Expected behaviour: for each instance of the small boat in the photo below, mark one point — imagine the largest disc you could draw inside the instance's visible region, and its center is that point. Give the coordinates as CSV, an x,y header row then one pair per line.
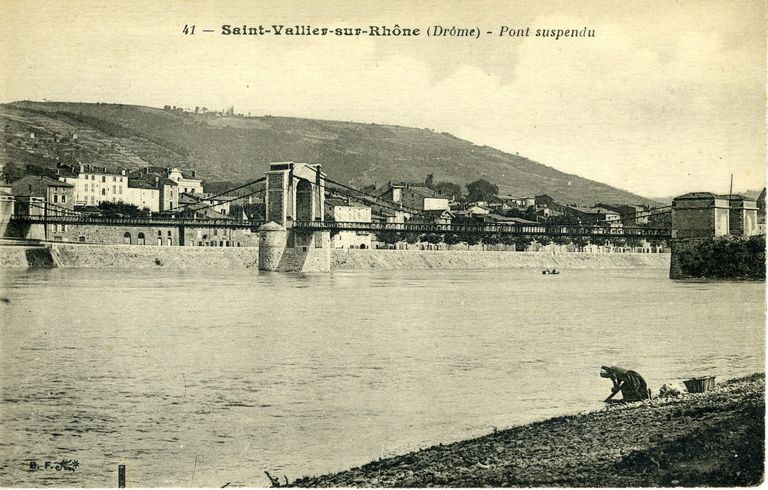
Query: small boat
x,y
553,271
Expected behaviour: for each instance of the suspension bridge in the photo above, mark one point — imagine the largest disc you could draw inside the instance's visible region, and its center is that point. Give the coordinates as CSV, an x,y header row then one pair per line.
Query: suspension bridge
x,y
294,196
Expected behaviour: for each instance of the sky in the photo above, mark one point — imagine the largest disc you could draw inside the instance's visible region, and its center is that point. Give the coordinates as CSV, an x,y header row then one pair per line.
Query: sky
x,y
668,97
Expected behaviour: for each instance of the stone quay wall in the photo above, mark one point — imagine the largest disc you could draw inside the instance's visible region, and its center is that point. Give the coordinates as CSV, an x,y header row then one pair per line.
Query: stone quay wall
x,y
470,259
313,259
128,256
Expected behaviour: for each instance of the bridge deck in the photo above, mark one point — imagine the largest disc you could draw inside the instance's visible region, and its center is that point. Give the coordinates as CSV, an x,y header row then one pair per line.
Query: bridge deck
x,y
484,228
489,228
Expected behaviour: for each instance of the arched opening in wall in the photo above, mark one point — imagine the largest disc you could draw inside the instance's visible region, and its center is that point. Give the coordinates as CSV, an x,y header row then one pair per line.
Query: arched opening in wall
x,y
362,246
140,239
303,201
127,238
170,238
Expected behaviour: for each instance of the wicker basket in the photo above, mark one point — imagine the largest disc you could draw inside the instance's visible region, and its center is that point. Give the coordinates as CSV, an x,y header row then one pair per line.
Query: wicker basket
x,y
700,385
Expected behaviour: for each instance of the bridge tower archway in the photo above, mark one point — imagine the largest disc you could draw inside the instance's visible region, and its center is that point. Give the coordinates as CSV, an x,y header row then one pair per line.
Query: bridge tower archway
x,y
294,192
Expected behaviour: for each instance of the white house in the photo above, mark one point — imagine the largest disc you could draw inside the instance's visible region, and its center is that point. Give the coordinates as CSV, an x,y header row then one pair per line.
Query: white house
x,y
93,185
351,214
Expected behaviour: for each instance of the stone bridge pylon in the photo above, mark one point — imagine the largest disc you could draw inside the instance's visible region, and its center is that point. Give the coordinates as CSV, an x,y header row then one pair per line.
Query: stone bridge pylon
x,y
294,192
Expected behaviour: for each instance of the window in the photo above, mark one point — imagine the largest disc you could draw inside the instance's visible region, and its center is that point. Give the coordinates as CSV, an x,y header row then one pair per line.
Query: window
x,y
159,232
103,192
103,178
81,239
114,189
64,199
169,232
114,179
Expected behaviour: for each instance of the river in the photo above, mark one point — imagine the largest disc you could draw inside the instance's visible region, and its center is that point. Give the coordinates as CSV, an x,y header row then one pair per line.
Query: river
x,y
203,378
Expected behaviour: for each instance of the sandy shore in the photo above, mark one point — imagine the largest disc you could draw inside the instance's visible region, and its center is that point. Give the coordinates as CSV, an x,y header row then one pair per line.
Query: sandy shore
x,y
708,439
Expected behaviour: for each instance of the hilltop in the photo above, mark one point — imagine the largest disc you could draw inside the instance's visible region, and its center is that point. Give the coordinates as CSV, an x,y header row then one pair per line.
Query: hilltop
x,y
235,148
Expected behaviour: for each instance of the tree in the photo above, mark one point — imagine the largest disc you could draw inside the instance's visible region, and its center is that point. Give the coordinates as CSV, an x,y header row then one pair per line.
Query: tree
x,y
451,239
522,242
634,242
388,237
491,239
580,242
544,240
410,237
121,210
481,190
544,199
448,189
432,238
470,238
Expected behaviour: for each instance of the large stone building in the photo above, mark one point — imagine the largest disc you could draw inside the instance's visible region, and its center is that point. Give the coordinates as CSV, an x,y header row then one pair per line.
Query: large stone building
x,y
708,215
416,196
36,195
156,177
700,215
187,181
56,197
95,184
143,195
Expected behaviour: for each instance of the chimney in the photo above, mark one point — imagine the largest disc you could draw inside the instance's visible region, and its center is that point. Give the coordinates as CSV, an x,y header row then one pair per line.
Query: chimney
x,y
194,174
122,171
157,181
82,168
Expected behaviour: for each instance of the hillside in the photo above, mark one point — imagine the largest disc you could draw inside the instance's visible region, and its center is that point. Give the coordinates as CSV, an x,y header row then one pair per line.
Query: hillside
x,y
237,149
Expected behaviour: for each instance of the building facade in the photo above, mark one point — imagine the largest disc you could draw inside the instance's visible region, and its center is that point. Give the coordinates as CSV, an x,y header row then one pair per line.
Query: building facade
x,y
351,214
95,184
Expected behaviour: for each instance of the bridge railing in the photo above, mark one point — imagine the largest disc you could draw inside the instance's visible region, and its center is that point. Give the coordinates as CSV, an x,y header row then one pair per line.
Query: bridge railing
x,y
490,228
146,221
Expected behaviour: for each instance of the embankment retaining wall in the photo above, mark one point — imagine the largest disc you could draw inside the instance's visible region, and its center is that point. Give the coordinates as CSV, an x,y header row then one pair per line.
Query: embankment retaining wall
x,y
128,256
468,259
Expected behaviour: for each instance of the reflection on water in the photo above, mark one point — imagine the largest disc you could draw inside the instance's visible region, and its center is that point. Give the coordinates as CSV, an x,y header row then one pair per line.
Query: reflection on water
x,y
194,378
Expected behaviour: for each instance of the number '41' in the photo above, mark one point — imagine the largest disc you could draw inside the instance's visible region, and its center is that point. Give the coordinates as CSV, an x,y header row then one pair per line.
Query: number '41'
x,y
188,29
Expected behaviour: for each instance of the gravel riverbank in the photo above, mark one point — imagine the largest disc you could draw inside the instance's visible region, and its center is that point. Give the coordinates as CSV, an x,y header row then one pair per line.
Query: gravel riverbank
x,y
708,439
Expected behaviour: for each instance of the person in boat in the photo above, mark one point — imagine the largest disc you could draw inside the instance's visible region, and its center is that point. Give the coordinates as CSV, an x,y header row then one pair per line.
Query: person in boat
x,y
632,386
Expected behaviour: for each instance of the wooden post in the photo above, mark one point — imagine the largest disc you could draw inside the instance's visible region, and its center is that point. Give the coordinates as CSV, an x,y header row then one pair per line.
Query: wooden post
x,y
121,476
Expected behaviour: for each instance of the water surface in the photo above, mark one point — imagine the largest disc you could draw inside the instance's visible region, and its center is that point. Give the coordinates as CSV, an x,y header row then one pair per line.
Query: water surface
x,y
200,378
